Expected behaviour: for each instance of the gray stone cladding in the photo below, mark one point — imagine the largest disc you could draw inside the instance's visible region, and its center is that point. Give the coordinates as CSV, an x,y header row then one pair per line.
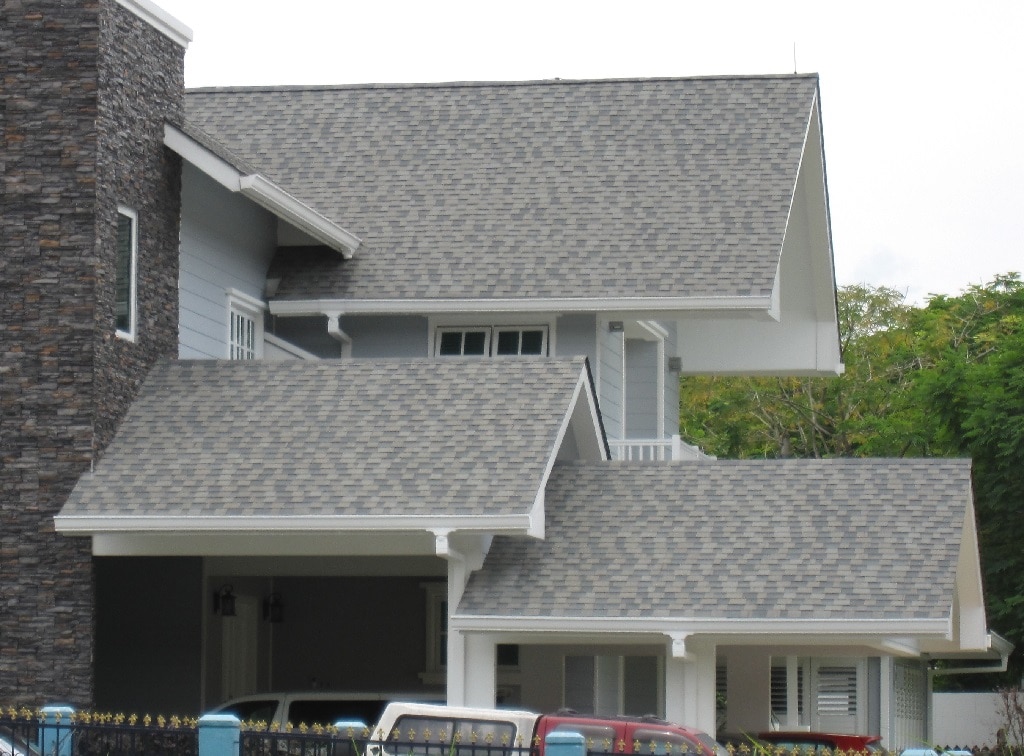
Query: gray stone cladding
x,y
86,89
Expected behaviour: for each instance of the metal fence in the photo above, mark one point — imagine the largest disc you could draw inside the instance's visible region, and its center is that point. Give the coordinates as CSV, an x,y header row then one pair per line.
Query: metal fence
x,y
27,733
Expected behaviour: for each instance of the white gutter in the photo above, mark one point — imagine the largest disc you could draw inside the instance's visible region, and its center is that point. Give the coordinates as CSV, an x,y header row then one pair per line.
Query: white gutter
x,y
269,195
335,332
93,524
754,306
994,642
720,626
263,192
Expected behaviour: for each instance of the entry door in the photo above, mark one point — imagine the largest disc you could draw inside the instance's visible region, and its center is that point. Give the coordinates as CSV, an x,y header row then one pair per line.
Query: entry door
x,y
839,695
240,649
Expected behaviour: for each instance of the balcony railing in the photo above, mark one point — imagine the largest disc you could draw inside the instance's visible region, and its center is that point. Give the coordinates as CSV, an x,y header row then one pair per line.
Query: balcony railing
x,y
671,449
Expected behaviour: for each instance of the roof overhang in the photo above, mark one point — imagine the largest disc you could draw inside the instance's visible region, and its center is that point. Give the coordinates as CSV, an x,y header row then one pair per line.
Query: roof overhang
x,y
901,637
160,20
653,307
262,191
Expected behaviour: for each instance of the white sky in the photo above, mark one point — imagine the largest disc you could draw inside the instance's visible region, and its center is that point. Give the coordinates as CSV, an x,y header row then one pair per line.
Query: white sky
x,y
922,102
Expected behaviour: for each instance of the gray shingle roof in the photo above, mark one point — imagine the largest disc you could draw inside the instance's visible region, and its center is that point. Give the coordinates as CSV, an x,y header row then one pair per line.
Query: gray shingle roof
x,y
795,539
360,438
657,187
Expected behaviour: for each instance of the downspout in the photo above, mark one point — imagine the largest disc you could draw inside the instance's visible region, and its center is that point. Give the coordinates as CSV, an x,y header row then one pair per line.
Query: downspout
x,y
335,332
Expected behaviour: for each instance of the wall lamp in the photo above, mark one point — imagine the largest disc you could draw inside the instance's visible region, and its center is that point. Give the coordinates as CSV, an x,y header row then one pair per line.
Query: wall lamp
x,y
273,608
224,601
616,326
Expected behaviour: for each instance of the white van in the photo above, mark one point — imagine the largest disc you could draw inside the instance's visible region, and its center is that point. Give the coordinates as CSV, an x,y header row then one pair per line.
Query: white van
x,y
323,707
404,726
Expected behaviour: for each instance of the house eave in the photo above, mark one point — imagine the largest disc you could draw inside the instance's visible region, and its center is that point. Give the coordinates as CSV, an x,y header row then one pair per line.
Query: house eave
x,y
261,191
79,525
753,306
864,630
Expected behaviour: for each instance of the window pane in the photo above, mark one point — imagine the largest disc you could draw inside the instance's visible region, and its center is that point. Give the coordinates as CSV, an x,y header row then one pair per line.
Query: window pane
x,y
475,343
451,344
123,275
508,342
533,342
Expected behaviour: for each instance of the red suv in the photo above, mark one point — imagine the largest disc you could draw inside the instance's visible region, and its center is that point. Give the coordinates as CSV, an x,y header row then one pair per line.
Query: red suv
x,y
627,735
808,742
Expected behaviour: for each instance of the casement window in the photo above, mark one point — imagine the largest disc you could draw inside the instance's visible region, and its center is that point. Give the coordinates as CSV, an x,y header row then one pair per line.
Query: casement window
x,y
245,326
125,273
491,341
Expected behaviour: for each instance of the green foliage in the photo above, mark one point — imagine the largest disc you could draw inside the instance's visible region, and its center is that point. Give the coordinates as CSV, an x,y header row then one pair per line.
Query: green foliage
x,y
940,380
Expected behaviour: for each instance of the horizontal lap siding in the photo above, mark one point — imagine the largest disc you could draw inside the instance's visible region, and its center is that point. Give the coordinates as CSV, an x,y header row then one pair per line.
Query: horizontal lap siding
x,y
226,243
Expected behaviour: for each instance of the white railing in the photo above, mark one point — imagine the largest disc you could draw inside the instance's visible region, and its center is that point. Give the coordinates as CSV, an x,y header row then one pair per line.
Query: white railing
x,y
655,450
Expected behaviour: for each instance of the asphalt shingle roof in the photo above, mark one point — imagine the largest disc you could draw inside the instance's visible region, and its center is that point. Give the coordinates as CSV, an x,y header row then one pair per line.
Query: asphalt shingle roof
x,y
365,437
793,539
657,187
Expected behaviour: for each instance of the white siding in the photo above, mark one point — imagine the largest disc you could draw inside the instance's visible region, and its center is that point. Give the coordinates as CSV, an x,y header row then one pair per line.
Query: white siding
x,y
226,243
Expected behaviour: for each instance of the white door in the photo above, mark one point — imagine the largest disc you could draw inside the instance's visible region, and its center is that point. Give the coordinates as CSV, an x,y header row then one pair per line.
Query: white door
x,y
838,696
240,648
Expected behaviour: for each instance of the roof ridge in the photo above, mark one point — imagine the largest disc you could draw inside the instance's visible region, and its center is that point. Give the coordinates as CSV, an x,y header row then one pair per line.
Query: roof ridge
x,y
486,84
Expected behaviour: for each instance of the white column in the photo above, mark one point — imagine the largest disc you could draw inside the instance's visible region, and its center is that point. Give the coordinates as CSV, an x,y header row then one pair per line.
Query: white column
x,y
749,689
480,666
690,686
792,692
607,685
458,575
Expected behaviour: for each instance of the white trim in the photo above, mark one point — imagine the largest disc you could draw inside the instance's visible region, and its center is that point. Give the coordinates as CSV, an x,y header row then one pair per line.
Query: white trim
x,y
847,627
160,20
202,158
263,192
251,309
94,524
269,195
133,292
652,306
288,347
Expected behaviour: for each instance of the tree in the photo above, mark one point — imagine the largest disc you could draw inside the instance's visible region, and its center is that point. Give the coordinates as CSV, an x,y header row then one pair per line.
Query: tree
x,y
944,379
862,413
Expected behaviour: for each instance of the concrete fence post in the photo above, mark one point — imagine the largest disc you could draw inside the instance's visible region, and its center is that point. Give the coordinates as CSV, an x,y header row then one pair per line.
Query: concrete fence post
x,y
565,744
55,731
219,735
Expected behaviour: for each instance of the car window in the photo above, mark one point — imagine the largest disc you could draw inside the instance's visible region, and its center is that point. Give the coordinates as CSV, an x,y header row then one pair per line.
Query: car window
x,y
326,711
257,710
598,737
432,736
663,743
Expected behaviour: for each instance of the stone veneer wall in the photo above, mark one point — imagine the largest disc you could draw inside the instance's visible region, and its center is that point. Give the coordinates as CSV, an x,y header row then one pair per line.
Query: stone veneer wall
x,y
86,88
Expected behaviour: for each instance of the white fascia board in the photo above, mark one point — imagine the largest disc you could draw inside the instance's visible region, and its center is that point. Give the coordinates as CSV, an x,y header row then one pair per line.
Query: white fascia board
x,y
262,191
269,195
92,525
653,306
581,391
206,161
160,20
847,628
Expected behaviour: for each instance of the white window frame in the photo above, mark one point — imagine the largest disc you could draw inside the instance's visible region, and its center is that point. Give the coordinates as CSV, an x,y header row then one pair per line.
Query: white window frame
x,y
251,309
130,333
439,325
436,631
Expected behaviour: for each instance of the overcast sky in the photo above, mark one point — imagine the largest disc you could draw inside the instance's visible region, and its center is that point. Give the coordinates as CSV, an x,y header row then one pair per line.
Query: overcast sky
x,y
922,102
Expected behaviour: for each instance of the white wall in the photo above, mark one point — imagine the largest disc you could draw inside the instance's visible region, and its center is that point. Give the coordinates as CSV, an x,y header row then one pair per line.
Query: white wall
x,y
965,719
